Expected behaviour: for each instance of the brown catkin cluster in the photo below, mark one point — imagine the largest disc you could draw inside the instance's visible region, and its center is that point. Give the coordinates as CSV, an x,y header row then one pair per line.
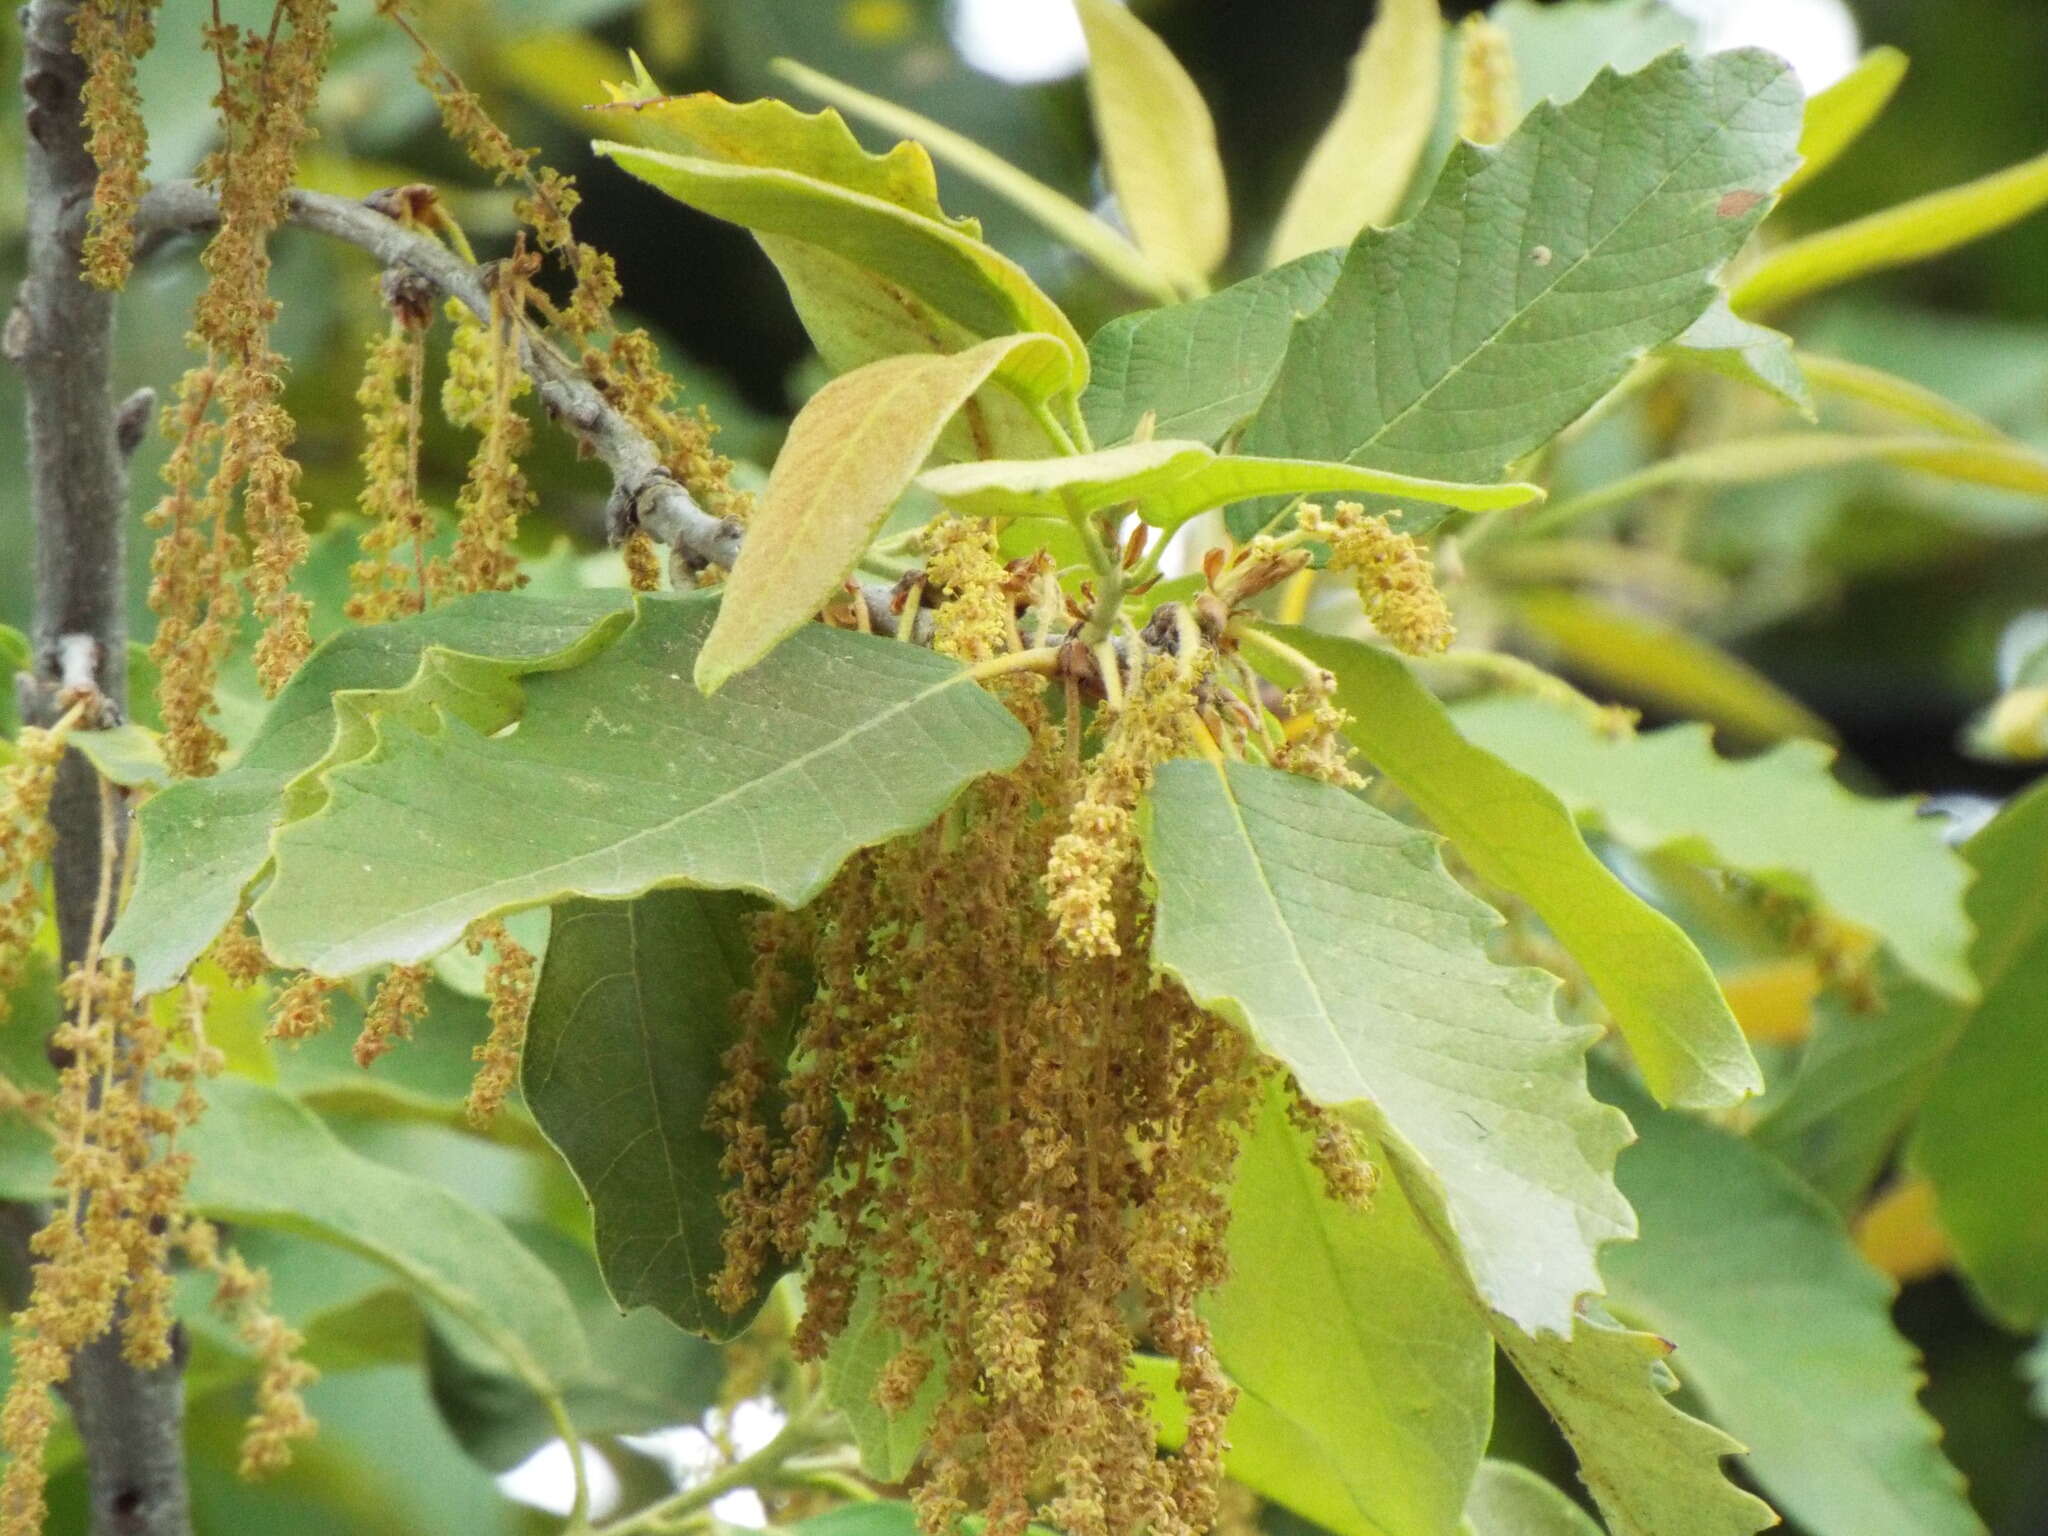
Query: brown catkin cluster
x,y
1395,579
231,431
242,1294
25,842
120,1184
508,987
111,36
399,1003
1034,1138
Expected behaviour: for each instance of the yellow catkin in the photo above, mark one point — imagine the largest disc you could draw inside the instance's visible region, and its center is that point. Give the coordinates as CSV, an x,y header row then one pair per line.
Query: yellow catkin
x,y
508,985
399,1003
1392,571
239,953
643,563
395,577
966,586
25,842
302,1009
242,1294
112,36
1489,97
484,385
1094,854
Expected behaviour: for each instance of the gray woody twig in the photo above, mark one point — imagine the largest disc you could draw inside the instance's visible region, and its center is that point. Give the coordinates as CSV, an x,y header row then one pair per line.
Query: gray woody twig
x,y
60,334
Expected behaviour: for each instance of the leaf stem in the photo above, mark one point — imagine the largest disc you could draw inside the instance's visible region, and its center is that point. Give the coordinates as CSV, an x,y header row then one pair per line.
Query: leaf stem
x,y
1039,658
806,1429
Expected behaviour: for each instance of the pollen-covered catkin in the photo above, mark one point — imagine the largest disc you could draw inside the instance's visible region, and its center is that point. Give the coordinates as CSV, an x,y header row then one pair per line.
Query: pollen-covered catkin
x,y
1395,579
508,988
112,36
25,842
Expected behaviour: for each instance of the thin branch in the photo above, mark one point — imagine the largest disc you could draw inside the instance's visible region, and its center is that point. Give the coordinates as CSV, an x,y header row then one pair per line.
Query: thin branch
x,y
60,334
644,494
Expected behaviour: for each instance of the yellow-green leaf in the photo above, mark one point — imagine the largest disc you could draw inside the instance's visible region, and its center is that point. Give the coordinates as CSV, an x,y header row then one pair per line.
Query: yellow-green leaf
x,y
782,172
1518,835
849,454
1896,237
1837,116
1998,463
1895,396
1651,662
1362,164
1060,214
1510,1500
1158,144
1173,481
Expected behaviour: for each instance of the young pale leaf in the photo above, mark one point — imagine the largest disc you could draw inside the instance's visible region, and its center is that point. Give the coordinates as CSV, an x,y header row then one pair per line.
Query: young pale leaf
x,y
850,453
624,1049
1510,1500
1896,397
2002,464
623,777
1815,1381
1334,933
1896,237
1651,661
1537,273
889,1443
1782,819
1837,116
1158,144
1201,368
262,1159
1740,349
1654,1470
1518,835
976,287
1982,1141
205,840
1363,163
1377,1430
1059,214
1173,481
855,316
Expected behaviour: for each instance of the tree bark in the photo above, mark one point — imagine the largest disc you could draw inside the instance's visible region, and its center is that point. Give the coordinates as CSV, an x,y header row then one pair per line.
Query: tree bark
x,y
61,336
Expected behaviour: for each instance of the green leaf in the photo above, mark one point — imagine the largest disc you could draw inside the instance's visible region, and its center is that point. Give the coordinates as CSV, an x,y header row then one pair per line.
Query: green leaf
x,y
1375,1431
128,754
1896,237
1510,1500
1783,1330
1201,367
1653,1469
851,451
624,1049
1463,339
2003,465
262,1159
1334,933
623,777
1054,210
205,840
1781,818
1982,1141
1753,354
1516,834
889,1443
1361,166
1651,661
1173,481
1837,116
976,287
1158,144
